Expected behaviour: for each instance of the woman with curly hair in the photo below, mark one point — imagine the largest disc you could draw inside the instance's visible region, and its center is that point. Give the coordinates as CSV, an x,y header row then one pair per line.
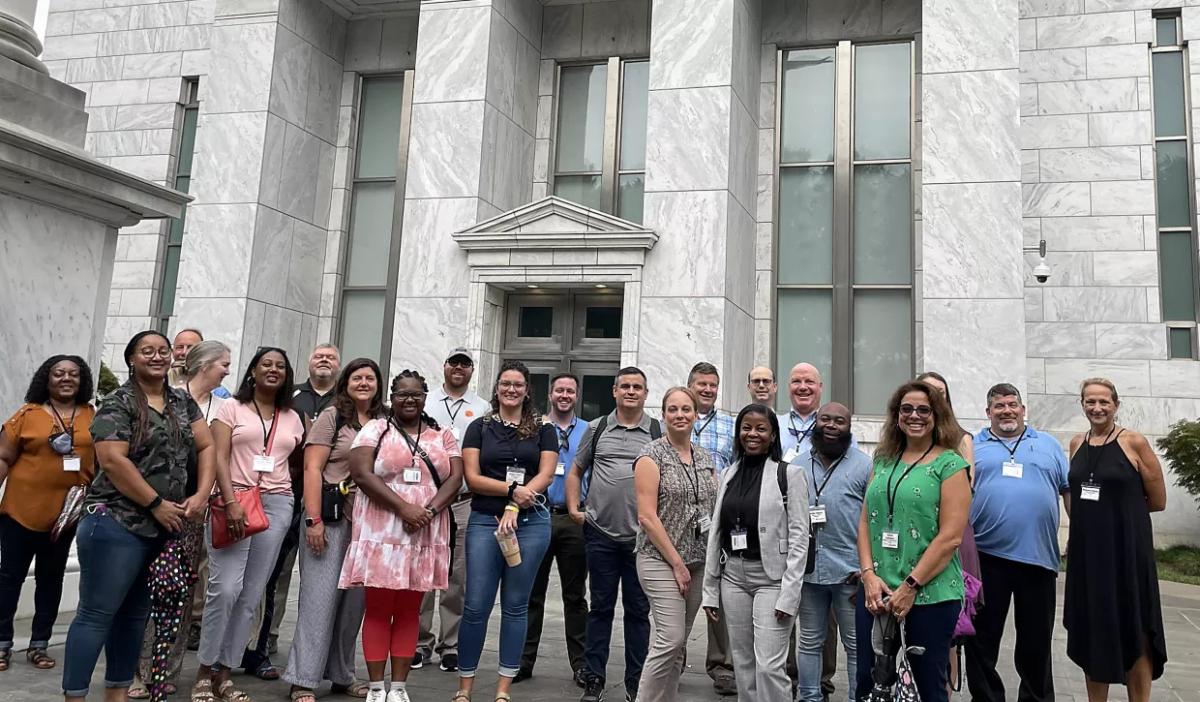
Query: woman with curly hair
x,y
45,450
328,618
409,470
509,456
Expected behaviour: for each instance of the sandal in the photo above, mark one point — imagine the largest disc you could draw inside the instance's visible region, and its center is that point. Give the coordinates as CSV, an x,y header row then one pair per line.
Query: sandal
x,y
302,694
267,671
461,695
138,690
229,693
503,697
5,657
39,658
358,689
202,691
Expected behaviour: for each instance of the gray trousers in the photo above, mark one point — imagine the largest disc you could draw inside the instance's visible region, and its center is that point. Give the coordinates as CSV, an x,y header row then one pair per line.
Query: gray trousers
x,y
672,616
451,607
237,576
757,640
327,619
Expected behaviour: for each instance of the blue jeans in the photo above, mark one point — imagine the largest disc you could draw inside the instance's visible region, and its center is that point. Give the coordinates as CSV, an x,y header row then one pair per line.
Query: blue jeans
x,y
487,571
114,601
611,564
815,603
930,626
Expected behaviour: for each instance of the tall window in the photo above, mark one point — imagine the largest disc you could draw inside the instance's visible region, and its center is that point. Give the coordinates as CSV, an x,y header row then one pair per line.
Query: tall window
x,y
373,243
844,243
1173,183
169,277
600,143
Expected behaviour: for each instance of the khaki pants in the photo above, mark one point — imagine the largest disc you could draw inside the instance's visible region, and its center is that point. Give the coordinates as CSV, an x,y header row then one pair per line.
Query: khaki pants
x,y
671,616
451,608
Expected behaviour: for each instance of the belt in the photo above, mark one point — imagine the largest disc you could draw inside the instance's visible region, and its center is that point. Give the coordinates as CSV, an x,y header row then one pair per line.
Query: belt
x,y
556,509
463,497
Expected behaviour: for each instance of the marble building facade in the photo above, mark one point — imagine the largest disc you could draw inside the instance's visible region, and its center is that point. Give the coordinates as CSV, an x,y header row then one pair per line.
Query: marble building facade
x,y
1029,120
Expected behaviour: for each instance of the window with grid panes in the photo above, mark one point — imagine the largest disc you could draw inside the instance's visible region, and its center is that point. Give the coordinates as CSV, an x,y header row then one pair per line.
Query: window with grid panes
x,y
600,137
844,241
169,276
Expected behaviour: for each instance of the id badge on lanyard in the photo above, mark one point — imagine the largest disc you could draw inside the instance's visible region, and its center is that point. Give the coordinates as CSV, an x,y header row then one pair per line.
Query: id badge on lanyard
x,y
891,539
264,464
560,469
412,474
71,463
737,539
816,515
513,474
1012,469
1090,491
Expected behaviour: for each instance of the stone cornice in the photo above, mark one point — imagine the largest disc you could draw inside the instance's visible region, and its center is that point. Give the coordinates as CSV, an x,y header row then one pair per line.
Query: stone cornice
x,y
553,223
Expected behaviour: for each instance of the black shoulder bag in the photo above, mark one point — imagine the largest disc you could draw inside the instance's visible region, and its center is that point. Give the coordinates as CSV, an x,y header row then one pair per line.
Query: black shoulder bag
x,y
333,495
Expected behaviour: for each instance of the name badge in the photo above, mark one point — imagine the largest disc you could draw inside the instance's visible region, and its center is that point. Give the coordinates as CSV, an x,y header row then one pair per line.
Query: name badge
x,y
790,455
1089,492
560,469
412,475
737,539
1012,469
704,523
514,475
891,539
264,464
457,434
71,463
816,515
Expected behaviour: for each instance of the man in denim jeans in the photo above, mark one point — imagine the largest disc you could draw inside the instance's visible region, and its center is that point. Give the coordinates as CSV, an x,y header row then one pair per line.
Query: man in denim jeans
x,y
838,475
609,529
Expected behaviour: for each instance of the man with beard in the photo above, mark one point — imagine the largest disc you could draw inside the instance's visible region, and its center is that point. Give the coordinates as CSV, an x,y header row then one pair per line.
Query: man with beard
x,y
451,405
762,386
566,540
838,476
1019,474
309,399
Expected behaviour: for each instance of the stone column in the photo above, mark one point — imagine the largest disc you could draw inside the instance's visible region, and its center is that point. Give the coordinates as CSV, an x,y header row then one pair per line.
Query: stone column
x,y
701,144
470,158
972,301
18,41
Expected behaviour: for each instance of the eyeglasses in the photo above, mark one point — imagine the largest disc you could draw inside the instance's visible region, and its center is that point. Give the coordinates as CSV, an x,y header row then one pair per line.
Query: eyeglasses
x,y
402,396
510,385
151,352
919,410
761,381
460,364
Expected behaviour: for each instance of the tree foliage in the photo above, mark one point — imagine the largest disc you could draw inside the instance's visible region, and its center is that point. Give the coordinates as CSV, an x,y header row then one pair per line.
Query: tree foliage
x,y
1181,448
107,382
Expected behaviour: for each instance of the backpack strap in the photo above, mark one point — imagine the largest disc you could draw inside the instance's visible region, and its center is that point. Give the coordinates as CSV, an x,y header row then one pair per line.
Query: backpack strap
x,y
600,426
655,429
781,475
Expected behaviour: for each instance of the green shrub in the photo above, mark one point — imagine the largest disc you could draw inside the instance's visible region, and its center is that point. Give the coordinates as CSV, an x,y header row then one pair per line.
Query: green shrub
x,y
1181,448
107,382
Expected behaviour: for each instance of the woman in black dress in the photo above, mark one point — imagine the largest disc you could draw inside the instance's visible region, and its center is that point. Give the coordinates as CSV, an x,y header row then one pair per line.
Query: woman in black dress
x,y
1112,610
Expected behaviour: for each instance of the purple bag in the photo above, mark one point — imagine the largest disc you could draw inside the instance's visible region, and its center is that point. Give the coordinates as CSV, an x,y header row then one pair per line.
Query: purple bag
x,y
972,587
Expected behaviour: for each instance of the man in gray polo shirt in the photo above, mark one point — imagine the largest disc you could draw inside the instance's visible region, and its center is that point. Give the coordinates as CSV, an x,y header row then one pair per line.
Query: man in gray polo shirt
x,y
609,529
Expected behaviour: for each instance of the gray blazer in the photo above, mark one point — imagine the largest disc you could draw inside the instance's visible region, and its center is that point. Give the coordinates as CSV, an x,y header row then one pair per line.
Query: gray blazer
x,y
782,536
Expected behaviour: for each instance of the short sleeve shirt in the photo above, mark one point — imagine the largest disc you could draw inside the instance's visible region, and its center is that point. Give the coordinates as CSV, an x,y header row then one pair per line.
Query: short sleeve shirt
x,y
395,455
37,484
685,492
161,453
918,499
714,432
499,449
611,502
326,432
249,436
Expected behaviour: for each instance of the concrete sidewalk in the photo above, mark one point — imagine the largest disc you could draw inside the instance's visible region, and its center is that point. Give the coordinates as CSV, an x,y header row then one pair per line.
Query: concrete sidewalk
x,y
552,677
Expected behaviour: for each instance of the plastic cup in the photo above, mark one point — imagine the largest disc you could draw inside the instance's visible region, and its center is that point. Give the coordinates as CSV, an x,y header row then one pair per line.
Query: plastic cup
x,y
510,547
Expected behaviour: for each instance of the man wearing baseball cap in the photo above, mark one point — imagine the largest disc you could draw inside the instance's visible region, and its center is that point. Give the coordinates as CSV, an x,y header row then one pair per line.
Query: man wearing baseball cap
x,y
451,405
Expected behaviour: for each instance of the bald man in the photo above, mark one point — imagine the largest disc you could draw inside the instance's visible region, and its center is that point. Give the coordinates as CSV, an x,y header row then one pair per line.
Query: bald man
x,y
804,393
762,386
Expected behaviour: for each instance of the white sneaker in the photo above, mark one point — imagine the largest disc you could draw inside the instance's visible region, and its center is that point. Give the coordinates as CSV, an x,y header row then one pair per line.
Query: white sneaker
x,y
376,696
397,695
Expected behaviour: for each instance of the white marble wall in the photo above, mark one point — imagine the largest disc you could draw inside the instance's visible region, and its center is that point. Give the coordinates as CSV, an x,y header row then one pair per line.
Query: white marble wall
x,y
130,58
1087,172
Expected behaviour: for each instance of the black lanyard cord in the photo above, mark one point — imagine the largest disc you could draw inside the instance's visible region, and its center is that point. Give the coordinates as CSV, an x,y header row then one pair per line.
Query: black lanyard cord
x,y
828,475
1012,452
414,447
711,416
66,427
892,493
564,435
458,404
1087,457
274,416
800,435
689,472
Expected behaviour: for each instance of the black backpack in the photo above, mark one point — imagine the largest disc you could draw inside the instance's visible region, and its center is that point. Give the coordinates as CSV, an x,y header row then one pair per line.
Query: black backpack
x,y
655,433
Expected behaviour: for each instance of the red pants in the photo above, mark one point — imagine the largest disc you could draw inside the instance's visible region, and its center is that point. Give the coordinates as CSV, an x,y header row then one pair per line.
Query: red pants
x,y
390,624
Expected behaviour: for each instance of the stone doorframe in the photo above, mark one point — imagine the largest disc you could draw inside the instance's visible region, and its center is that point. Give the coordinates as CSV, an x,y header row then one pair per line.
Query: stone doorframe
x,y
549,243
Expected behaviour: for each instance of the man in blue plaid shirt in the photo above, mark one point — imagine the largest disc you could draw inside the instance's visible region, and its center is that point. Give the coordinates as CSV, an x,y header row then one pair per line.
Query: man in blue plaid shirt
x,y
714,431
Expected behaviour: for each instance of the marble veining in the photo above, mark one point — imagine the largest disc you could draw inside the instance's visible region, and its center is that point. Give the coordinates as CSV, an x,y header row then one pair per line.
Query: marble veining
x,y
700,162
270,253
1047,65
1096,304
1091,164
445,150
1060,340
987,215
688,258
973,342
1086,30
970,127
452,54
968,36
1101,95
1054,131
692,43
1056,199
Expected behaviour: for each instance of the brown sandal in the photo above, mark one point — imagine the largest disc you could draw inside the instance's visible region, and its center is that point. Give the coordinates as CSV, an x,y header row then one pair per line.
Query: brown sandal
x,y
39,658
5,657
227,692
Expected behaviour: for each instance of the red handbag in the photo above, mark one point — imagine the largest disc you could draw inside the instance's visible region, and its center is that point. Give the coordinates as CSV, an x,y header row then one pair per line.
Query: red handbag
x,y
256,518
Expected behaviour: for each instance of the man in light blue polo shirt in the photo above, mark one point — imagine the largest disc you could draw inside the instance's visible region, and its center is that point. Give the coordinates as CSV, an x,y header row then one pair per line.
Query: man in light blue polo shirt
x,y
838,476
1019,475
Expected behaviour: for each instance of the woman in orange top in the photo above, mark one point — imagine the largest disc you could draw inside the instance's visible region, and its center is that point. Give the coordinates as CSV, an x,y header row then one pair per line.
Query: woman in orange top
x,y
45,450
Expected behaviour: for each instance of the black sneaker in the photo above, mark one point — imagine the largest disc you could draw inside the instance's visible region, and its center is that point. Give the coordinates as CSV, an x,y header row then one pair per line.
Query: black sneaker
x,y
725,685
522,675
631,695
593,690
449,662
418,661
193,639
581,678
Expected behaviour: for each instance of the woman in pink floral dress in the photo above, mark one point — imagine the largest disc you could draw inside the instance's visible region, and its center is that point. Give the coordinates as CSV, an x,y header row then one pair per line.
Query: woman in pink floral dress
x,y
409,469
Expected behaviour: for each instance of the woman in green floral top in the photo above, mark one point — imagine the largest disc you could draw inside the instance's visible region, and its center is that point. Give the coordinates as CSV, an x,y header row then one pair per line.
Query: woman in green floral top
x,y
676,489
912,523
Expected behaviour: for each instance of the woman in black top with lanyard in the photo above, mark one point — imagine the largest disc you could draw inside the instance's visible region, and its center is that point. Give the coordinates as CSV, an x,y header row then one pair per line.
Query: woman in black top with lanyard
x,y
509,456
1111,608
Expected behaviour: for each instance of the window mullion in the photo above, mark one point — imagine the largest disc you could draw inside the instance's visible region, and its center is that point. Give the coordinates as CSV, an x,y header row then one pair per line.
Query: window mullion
x,y
612,124
841,363
389,302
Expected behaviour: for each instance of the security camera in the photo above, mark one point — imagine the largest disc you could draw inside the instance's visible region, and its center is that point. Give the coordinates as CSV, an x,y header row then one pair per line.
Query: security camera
x,y
1041,272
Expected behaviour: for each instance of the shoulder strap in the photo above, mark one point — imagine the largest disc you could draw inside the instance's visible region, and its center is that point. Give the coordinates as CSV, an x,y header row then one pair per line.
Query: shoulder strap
x,y
587,474
655,429
437,479
338,423
781,474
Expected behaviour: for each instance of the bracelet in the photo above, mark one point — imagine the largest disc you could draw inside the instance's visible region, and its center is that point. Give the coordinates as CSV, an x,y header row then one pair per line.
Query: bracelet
x,y
512,486
158,500
510,507
864,571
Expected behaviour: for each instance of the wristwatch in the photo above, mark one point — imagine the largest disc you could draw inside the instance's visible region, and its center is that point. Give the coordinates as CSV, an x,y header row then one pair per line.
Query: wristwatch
x,y
311,522
912,583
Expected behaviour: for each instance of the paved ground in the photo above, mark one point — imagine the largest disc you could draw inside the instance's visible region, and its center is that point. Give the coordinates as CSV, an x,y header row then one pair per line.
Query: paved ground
x,y
1181,682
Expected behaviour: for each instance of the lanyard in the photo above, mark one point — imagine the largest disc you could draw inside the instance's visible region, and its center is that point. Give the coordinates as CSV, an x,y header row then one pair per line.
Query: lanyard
x,y
1012,452
208,407
65,426
692,478
414,447
1087,457
800,435
564,435
268,437
457,404
828,475
890,493
711,416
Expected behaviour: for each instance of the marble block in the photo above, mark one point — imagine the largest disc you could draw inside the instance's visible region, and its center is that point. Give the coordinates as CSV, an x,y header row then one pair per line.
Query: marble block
x,y
972,36
975,343
689,258
969,128
692,43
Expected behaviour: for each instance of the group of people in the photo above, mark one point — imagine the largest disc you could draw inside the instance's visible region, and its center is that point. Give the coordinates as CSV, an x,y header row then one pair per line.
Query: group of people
x,y
189,507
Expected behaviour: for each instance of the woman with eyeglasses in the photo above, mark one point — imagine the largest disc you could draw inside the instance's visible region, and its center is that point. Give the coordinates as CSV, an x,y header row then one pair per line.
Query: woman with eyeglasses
x,y
258,437
145,435
45,450
908,536
757,549
676,485
408,469
328,618
509,456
